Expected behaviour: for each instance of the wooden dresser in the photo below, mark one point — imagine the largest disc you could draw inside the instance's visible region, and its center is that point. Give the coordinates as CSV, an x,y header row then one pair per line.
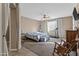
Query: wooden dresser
x,y
71,35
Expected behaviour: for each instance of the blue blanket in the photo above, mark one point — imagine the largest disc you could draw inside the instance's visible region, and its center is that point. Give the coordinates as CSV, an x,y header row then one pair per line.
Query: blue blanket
x,y
38,36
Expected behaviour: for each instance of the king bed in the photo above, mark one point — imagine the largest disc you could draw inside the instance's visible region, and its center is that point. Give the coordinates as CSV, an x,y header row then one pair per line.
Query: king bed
x,y
38,36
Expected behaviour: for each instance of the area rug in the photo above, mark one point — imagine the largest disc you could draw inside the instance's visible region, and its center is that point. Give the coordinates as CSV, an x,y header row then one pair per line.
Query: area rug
x,y
41,48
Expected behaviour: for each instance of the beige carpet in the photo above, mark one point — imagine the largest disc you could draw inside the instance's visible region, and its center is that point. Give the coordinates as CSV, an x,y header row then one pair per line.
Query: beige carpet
x,y
40,48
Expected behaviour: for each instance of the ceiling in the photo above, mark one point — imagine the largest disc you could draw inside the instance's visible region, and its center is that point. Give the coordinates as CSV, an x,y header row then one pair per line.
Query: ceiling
x,y
53,10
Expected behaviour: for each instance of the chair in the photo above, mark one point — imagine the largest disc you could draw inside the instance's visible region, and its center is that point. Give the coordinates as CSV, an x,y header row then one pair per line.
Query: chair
x,y
64,48
74,46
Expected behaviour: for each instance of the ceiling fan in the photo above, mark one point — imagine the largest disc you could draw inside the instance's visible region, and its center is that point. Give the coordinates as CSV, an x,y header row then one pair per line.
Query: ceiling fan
x,y
45,17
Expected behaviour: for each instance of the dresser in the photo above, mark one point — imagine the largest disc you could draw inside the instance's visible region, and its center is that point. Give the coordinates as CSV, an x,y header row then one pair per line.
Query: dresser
x,y
71,36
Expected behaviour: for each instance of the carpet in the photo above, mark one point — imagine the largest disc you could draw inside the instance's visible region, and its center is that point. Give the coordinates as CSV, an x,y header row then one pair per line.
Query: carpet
x,y
40,48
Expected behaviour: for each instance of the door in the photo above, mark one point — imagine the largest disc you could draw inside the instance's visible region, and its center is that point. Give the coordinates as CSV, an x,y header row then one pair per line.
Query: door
x,y
4,28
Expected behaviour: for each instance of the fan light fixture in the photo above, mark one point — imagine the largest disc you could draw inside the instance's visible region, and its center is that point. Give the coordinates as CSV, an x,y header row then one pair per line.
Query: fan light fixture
x,y
45,17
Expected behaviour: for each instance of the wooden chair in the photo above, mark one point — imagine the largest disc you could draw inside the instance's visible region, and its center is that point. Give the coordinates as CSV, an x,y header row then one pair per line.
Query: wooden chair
x,y
73,46
64,48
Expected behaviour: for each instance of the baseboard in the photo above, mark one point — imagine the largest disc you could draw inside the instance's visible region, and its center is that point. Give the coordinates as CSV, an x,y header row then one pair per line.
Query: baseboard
x,y
3,54
13,49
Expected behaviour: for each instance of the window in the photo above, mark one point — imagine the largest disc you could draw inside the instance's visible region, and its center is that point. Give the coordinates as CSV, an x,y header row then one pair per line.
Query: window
x,y
52,25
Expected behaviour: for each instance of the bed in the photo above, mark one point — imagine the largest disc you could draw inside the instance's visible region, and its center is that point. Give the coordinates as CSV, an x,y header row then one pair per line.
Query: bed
x,y
37,36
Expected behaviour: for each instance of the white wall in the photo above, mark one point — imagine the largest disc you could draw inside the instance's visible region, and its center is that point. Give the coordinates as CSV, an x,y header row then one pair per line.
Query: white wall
x,y
29,25
76,22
